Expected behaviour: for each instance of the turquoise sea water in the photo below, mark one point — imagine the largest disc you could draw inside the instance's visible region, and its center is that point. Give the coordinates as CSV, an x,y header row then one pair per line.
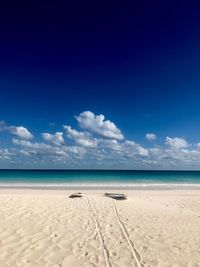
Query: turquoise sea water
x,y
99,178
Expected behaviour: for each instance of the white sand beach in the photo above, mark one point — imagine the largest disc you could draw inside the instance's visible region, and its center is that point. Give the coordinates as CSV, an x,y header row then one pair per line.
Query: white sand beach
x,y
151,228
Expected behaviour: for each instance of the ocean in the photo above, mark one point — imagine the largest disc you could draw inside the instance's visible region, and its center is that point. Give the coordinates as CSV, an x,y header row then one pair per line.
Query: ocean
x,y
119,179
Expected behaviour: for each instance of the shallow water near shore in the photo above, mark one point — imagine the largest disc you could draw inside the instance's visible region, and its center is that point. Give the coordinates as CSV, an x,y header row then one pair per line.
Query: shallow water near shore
x,y
64,179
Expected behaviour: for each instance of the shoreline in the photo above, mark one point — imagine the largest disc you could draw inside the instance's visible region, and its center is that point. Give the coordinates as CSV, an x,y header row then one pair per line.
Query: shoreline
x,y
102,186
100,191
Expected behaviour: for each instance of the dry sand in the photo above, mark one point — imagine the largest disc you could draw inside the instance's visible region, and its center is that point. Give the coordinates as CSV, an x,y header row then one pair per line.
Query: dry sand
x,y
150,228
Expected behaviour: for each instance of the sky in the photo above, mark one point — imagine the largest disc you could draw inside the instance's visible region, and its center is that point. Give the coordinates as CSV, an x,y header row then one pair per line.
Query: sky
x,y
101,86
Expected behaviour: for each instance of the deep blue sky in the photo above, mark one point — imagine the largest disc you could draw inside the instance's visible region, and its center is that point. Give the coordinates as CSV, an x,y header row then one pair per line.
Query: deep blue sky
x,y
138,64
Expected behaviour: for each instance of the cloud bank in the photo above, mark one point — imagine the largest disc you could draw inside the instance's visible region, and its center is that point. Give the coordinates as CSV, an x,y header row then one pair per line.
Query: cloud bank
x,y
96,143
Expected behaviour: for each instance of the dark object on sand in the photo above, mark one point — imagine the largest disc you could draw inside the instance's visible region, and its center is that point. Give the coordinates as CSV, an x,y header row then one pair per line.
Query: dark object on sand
x,y
76,195
116,196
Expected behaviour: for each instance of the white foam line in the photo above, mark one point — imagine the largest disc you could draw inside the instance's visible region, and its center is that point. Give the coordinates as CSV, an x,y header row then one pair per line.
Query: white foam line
x,y
106,185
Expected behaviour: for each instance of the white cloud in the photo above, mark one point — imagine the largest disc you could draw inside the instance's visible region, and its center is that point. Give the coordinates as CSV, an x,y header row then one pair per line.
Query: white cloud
x,y
142,151
81,138
150,136
29,144
56,139
176,142
19,131
125,148
112,144
5,154
198,146
98,125
46,149
136,148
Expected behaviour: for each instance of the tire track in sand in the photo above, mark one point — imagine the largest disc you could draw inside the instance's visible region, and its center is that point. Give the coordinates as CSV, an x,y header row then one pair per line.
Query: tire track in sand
x,y
134,252
100,235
